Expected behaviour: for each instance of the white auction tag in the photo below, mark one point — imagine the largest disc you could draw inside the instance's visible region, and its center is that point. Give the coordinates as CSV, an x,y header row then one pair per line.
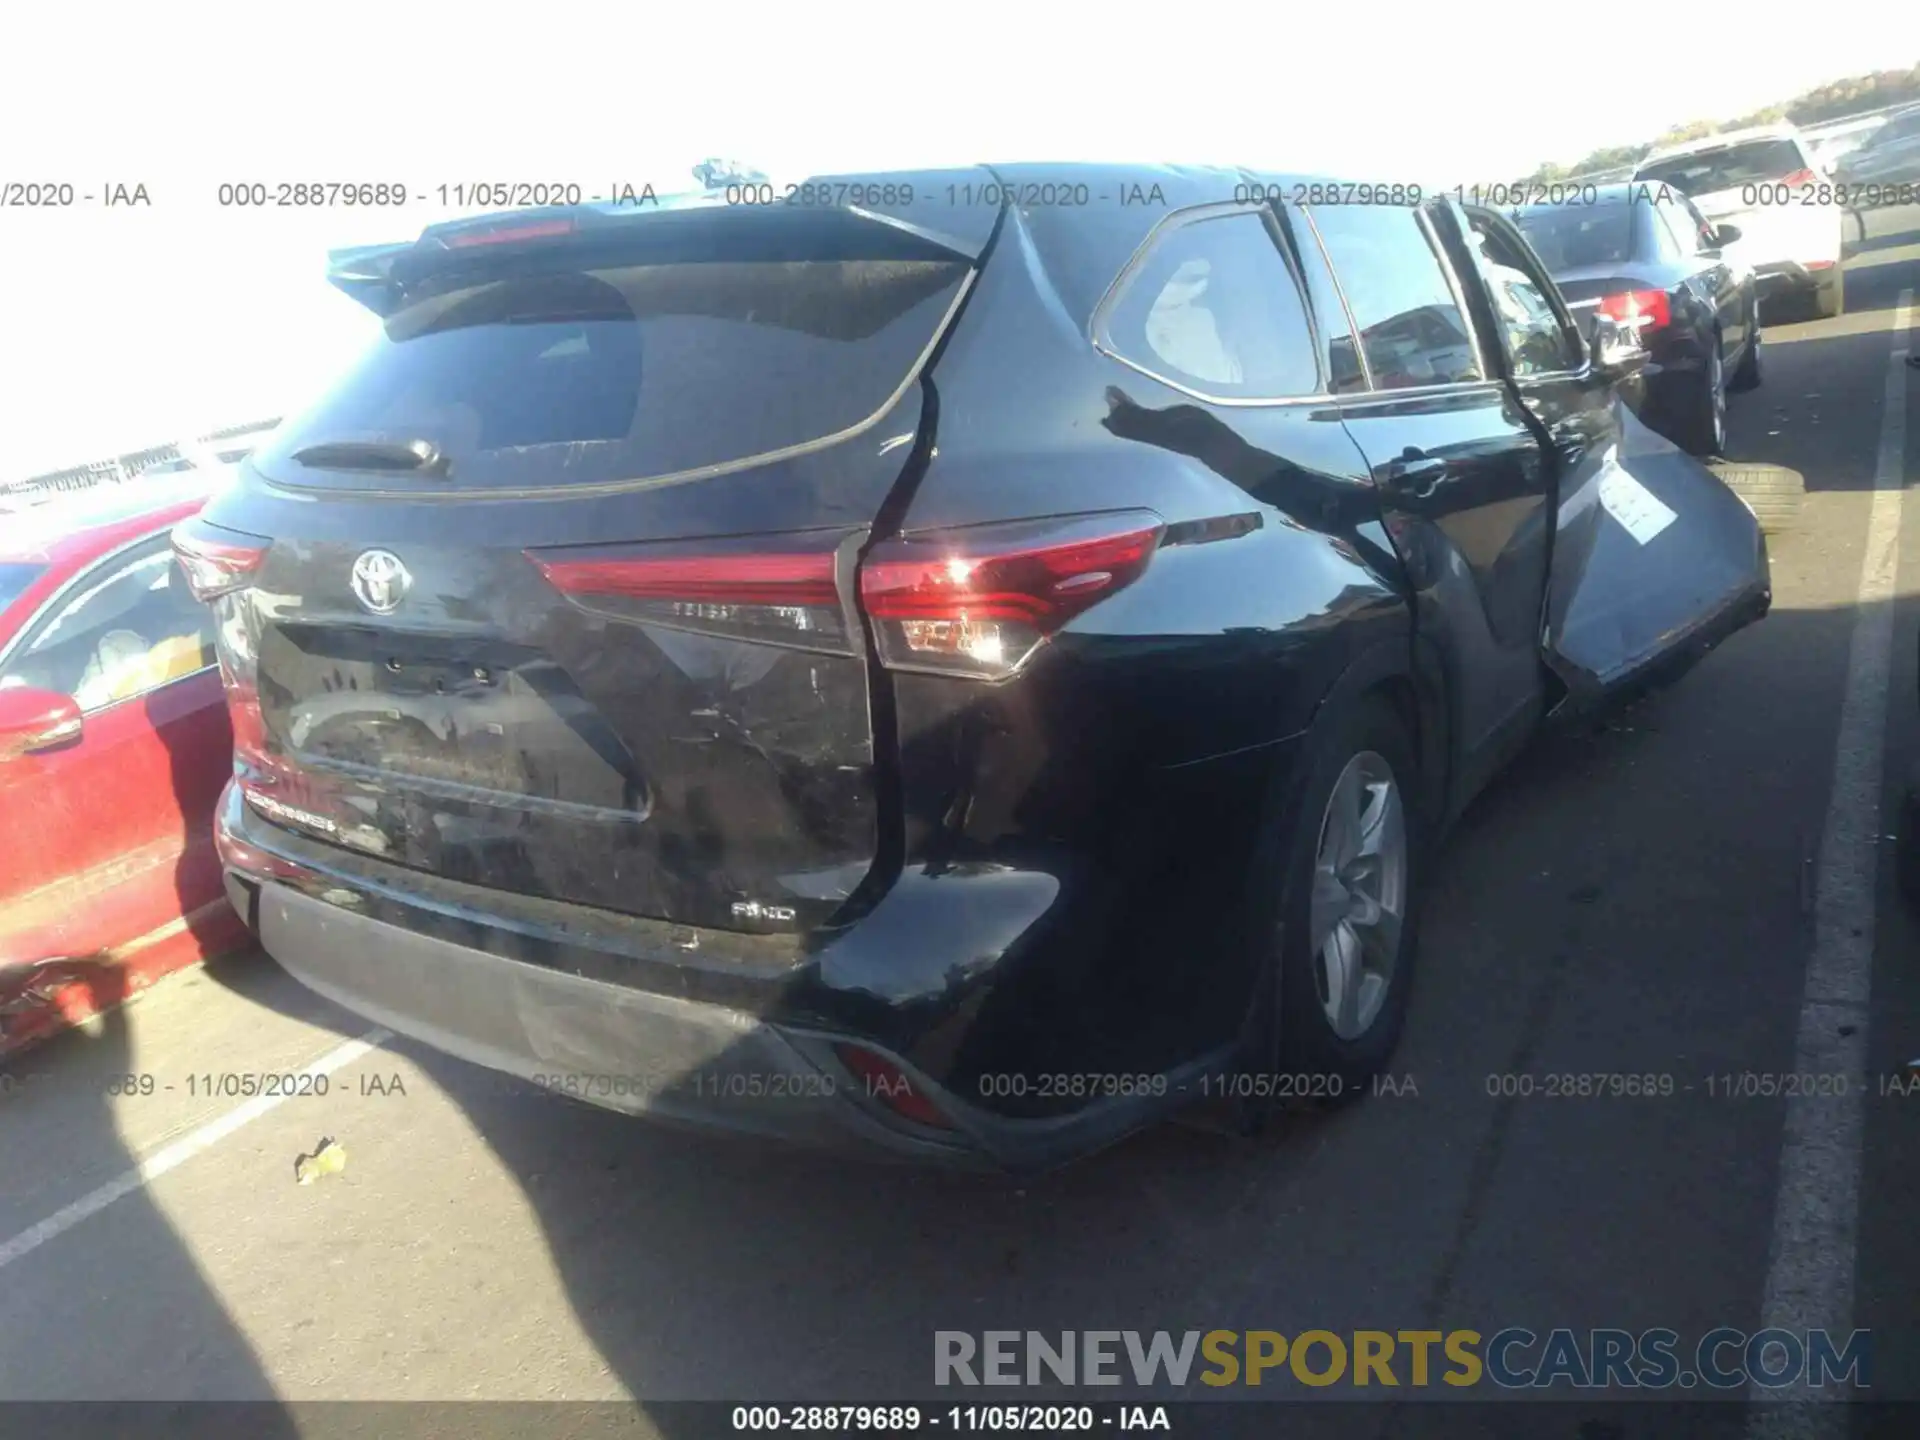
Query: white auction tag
x,y
1633,505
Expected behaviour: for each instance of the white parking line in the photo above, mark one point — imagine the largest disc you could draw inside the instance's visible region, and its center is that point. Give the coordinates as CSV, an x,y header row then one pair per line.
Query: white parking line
x,y
178,1153
1816,1207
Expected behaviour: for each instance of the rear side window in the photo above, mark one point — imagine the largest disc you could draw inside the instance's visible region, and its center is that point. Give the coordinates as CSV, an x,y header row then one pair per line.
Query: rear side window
x,y
1341,353
1672,232
1704,172
129,627
1411,328
560,376
1213,307
1573,237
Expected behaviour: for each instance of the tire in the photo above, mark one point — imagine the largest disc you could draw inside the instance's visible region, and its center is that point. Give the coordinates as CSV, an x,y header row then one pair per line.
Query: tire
x,y
1700,424
1371,743
1774,493
1830,296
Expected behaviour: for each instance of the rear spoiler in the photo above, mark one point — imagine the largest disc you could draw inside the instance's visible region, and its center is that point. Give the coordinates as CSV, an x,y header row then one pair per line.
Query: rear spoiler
x,y
699,225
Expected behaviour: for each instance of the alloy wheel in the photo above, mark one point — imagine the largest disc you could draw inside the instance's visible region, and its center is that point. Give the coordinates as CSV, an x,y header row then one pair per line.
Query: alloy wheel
x,y
1359,894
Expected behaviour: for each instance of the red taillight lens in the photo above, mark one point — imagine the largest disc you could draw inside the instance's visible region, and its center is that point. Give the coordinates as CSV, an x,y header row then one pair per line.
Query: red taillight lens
x,y
1799,177
779,589
509,234
979,601
1638,307
216,562
888,1083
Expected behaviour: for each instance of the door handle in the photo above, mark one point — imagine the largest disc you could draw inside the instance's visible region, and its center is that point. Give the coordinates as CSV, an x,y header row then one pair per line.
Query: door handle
x,y
1415,471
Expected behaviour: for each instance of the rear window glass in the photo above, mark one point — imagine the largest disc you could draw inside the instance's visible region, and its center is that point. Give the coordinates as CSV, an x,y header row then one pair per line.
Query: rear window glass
x,y
14,580
1213,307
1706,171
1571,237
583,376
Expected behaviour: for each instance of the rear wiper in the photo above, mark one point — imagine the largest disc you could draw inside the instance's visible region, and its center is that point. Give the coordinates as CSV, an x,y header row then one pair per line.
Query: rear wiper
x,y
415,455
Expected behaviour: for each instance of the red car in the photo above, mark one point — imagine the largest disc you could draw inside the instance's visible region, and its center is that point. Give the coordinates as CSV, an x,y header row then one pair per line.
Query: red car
x,y
114,745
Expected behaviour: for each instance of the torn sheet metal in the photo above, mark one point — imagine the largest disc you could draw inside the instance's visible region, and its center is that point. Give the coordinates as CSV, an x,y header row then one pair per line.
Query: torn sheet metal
x,y
1655,561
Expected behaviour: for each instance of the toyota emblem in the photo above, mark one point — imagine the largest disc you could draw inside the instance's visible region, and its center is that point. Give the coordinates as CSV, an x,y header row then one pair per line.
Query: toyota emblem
x,y
380,581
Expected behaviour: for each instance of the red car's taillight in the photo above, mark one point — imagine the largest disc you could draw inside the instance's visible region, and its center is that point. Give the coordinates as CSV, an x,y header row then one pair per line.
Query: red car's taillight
x,y
1638,307
216,562
784,594
980,600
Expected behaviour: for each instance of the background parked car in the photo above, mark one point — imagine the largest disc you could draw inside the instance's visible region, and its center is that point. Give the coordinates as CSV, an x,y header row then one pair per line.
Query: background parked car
x,y
114,743
1644,256
1762,181
982,682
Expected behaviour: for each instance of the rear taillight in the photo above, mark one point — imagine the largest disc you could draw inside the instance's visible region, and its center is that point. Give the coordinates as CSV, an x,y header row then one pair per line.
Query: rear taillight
x,y
979,601
777,589
216,562
1637,308
1799,177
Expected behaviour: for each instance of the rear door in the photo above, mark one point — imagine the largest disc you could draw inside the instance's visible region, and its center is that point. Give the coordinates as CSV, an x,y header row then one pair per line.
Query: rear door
x,y
1462,478
599,646
1653,559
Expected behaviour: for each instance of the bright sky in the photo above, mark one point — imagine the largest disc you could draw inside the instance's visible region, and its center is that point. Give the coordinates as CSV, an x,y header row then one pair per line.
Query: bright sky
x,y
121,328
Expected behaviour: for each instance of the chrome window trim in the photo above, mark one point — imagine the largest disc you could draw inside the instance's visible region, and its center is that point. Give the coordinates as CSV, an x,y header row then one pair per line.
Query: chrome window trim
x,y
1197,215
36,622
1374,399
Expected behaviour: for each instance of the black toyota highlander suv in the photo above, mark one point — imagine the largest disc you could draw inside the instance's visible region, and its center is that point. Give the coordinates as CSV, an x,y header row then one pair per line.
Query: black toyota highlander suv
x,y
944,667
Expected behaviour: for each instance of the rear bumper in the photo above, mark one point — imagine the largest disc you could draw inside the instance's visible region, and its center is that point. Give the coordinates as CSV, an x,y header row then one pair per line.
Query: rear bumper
x,y
613,1046
749,1067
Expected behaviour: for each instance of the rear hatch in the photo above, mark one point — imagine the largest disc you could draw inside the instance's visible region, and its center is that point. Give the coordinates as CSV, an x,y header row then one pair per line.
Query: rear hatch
x,y
558,595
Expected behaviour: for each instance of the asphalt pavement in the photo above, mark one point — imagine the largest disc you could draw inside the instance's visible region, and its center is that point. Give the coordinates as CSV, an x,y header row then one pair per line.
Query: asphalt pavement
x,y
1643,898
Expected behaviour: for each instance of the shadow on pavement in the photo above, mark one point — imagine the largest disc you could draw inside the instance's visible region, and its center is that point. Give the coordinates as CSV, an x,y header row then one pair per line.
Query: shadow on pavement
x,y
56,1104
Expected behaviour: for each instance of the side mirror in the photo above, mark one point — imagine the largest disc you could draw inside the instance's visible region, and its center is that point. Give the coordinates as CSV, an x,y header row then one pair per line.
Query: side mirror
x,y
34,720
1615,349
1725,235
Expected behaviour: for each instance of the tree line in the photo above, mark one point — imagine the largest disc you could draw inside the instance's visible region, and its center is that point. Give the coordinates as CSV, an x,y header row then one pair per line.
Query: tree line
x,y
1836,100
